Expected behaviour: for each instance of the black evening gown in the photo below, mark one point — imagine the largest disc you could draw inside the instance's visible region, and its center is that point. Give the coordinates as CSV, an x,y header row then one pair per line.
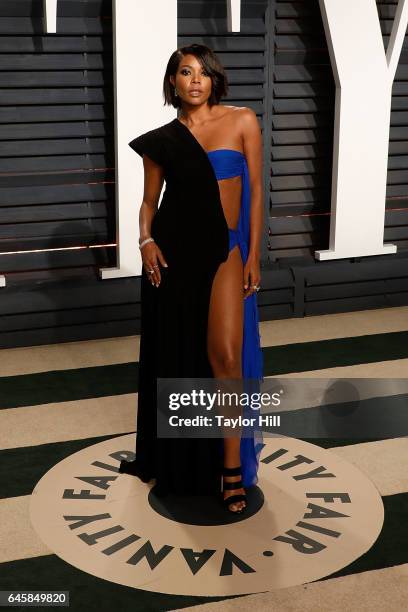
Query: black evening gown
x,y
191,230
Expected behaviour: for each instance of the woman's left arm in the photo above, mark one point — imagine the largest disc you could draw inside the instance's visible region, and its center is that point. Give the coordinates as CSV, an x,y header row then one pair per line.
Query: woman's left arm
x,y
252,143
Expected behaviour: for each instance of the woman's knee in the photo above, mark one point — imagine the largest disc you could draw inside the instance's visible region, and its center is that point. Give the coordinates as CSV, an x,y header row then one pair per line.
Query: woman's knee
x,y
225,362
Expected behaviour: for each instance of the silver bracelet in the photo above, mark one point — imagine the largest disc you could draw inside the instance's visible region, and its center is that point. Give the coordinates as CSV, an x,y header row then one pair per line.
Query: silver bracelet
x,y
145,242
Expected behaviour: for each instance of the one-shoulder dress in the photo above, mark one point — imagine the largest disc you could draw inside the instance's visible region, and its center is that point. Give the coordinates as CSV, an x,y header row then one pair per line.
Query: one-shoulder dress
x,y
191,230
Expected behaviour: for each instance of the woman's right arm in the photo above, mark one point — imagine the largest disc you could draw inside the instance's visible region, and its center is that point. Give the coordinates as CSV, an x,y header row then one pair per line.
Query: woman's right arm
x,y
153,183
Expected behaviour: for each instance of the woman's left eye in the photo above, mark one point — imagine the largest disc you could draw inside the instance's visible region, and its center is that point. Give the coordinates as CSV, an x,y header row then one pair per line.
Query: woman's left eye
x,y
186,72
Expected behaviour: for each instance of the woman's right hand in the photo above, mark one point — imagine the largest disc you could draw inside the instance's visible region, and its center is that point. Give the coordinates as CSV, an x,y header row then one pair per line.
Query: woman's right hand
x,y
151,255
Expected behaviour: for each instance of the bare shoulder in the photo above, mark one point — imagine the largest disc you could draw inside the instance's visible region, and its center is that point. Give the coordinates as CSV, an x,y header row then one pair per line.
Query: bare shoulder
x,y
243,117
250,131
246,118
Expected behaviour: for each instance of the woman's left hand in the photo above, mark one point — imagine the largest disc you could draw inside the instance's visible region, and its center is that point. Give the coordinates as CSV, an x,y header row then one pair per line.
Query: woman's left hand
x,y
252,275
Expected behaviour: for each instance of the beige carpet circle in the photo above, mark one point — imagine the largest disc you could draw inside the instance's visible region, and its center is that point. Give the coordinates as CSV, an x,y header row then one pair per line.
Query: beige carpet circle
x,y
320,514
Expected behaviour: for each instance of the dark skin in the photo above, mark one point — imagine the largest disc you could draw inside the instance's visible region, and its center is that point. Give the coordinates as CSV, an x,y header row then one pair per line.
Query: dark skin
x,y
224,127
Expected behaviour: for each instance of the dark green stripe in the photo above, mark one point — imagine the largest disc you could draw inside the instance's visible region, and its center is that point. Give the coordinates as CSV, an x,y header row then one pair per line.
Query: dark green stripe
x,y
334,443
338,352
378,417
83,383
21,468
87,592
68,385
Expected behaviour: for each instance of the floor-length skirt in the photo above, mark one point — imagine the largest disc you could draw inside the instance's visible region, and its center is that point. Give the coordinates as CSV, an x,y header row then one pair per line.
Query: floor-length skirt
x,y
173,344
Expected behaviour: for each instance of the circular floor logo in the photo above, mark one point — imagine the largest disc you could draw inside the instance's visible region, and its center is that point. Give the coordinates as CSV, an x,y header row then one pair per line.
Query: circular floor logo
x,y
318,514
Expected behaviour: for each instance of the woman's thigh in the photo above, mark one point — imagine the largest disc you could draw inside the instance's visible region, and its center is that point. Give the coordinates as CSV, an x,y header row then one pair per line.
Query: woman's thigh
x,y
226,311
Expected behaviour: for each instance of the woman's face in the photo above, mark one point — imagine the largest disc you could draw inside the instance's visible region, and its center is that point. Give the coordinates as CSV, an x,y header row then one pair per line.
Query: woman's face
x,y
192,82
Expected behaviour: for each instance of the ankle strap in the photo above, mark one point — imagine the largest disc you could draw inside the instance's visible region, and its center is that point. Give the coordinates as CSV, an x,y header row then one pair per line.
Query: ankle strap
x,y
235,471
233,485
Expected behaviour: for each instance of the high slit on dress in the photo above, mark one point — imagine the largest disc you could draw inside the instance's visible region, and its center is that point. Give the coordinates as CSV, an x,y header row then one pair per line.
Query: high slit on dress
x,y
174,316
228,163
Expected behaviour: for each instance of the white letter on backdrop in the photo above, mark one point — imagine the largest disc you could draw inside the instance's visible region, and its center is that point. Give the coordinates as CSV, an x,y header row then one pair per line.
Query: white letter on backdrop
x,y
234,15
364,75
144,36
50,16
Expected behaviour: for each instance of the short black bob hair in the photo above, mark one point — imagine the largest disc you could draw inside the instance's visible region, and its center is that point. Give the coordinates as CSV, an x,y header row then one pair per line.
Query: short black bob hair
x,y
209,62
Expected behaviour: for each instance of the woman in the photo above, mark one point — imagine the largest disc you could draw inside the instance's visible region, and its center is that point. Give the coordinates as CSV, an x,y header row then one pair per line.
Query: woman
x,y
201,272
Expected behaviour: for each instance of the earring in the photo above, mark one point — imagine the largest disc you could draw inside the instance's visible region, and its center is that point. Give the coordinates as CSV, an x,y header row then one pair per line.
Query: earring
x,y
175,91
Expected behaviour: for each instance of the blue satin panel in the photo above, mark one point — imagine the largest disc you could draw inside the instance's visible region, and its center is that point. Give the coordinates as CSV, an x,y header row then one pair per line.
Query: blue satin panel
x,y
228,163
233,238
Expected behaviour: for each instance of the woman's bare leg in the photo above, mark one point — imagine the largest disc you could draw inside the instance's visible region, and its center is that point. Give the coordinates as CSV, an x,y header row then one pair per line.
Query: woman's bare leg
x,y
224,339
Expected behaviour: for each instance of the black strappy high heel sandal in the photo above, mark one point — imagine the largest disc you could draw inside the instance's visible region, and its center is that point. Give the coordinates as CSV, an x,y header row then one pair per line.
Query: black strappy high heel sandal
x,y
235,471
